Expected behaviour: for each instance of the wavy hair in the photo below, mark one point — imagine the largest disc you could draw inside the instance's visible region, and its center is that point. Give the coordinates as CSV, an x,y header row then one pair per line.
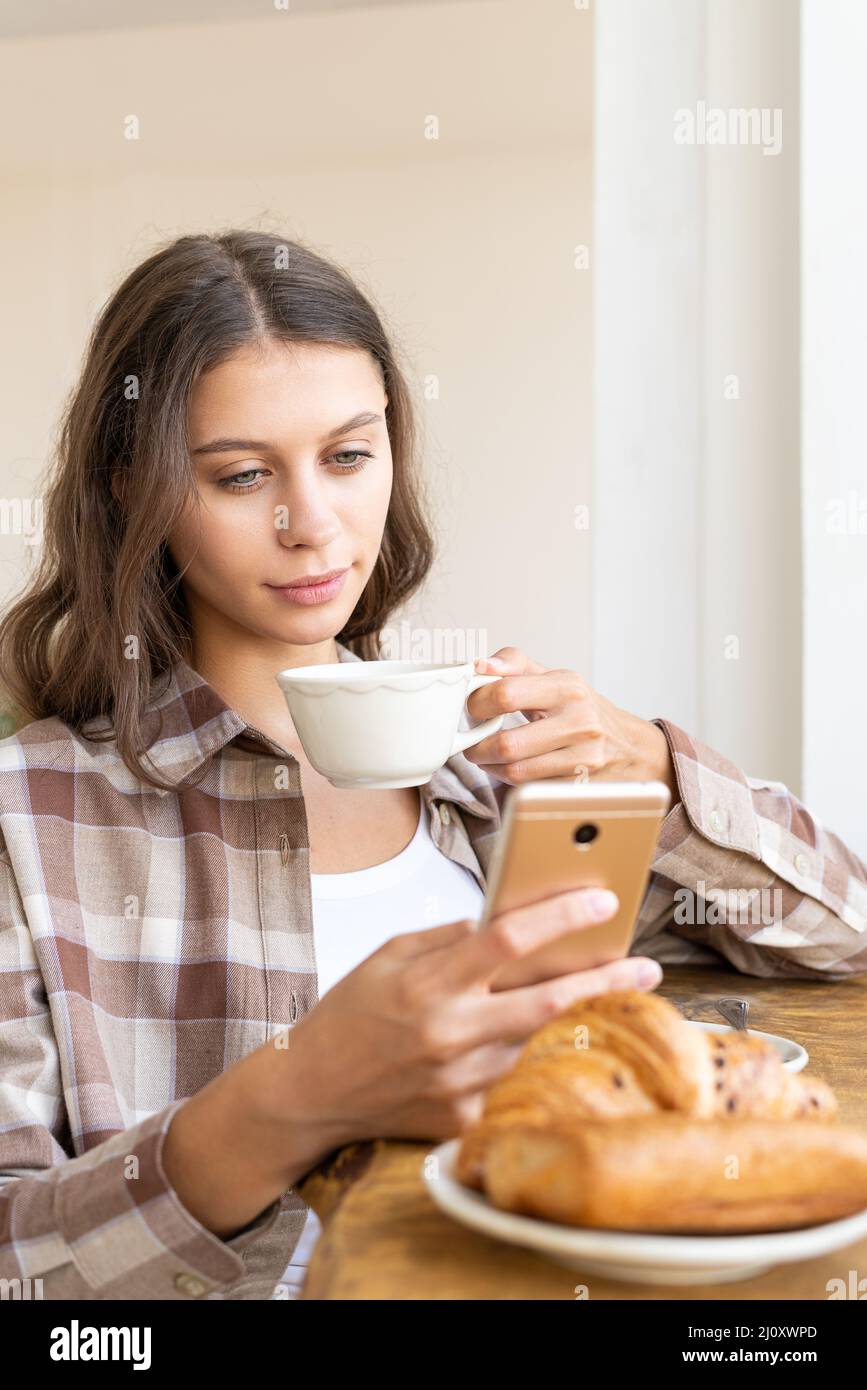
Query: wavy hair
x,y
104,570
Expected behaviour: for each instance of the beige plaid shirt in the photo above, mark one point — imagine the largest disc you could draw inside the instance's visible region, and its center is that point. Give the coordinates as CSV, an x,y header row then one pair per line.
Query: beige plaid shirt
x,y
150,939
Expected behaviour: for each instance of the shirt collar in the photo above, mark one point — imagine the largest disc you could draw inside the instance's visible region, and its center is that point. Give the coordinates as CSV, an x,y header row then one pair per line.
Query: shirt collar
x,y
188,722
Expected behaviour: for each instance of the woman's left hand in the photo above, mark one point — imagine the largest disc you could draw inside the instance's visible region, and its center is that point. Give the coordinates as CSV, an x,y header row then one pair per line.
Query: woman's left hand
x,y
573,732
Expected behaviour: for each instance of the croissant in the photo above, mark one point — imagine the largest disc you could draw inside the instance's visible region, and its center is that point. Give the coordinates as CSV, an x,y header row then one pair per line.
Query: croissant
x,y
630,1055
666,1172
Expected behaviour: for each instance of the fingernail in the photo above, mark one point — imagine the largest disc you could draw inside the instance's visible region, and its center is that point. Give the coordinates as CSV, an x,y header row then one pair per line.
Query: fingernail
x,y
649,973
495,661
603,904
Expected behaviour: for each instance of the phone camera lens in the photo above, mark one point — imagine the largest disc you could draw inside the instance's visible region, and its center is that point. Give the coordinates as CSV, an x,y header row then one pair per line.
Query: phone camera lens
x,y
585,834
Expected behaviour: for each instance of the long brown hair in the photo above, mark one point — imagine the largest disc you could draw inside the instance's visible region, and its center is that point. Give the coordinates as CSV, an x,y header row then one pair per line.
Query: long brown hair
x,y
105,573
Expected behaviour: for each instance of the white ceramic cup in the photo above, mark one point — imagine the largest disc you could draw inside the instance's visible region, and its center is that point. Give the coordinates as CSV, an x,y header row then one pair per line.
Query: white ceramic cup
x,y
383,723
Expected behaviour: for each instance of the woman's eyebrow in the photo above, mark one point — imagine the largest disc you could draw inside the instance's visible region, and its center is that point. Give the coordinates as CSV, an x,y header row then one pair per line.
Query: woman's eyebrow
x,y
229,446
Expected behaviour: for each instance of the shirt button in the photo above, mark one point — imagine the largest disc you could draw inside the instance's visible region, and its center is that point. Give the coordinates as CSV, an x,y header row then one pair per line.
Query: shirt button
x,y
284,848
717,822
190,1284
802,864
444,813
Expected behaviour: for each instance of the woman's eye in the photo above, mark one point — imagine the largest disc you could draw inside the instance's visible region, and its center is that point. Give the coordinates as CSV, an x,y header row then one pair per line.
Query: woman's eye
x,y
234,483
248,479
351,454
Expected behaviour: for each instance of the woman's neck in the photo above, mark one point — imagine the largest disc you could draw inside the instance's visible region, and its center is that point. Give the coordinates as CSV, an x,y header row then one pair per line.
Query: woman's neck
x,y
243,675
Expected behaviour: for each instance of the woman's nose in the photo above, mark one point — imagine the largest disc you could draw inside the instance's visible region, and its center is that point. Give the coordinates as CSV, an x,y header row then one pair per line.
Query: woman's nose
x,y
305,516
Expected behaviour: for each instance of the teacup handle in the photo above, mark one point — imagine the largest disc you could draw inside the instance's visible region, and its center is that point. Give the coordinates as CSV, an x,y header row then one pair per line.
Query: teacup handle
x,y
465,738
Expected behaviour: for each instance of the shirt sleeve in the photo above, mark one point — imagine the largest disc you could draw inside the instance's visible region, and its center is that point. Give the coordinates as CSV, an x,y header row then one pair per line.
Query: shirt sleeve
x,y
106,1224
742,867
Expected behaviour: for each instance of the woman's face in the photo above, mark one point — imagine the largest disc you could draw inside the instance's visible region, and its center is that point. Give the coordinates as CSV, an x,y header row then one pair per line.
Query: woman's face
x,y
294,472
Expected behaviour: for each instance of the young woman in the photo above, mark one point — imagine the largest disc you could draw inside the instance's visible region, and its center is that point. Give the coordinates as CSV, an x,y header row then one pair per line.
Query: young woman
x,y
215,967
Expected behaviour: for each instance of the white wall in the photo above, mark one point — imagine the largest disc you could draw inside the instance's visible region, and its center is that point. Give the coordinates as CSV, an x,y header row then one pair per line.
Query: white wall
x,y
696,547
750,509
834,268
313,124
648,257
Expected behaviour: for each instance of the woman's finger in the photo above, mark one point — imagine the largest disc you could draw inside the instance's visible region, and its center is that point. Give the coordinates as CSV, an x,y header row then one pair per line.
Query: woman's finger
x,y
477,1068
475,959
416,943
510,659
564,764
511,693
546,736
514,1014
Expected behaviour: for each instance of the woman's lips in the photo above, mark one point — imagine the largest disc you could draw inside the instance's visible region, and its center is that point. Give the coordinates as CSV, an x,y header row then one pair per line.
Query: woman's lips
x,y
311,593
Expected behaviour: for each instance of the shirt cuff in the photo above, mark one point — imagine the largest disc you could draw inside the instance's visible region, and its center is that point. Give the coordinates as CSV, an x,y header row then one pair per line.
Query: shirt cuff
x,y
128,1232
715,798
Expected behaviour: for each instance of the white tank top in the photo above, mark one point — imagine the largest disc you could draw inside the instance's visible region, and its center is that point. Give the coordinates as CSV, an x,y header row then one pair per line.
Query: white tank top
x,y
354,914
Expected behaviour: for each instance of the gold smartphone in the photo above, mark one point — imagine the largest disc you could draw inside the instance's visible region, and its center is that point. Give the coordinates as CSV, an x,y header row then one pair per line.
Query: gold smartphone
x,y
557,836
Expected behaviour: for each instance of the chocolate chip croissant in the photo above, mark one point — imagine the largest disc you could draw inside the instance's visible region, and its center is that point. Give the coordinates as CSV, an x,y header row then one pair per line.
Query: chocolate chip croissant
x,y
607,1085
627,1053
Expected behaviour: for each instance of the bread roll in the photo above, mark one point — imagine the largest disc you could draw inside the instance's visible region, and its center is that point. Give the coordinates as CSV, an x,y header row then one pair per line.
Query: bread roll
x,y
628,1053
667,1172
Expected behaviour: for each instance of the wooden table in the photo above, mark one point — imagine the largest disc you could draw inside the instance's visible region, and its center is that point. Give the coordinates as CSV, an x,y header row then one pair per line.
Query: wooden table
x,y
383,1238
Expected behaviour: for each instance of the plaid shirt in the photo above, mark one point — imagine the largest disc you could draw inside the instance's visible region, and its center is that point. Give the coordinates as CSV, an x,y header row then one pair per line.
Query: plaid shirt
x,y
149,939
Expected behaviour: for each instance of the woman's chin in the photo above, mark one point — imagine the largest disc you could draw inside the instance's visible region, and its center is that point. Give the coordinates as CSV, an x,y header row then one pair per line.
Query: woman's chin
x,y
309,627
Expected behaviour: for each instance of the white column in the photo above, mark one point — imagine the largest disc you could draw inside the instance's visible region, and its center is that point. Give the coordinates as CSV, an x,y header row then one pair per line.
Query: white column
x,y
696,529
834,270
648,267
749,522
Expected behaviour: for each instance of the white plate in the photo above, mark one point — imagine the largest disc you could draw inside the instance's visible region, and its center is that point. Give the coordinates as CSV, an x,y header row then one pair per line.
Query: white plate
x,y
794,1057
635,1257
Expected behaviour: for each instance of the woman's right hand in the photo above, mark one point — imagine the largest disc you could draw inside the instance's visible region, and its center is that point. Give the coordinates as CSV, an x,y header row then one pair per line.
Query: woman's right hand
x,y
403,1047
407,1043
